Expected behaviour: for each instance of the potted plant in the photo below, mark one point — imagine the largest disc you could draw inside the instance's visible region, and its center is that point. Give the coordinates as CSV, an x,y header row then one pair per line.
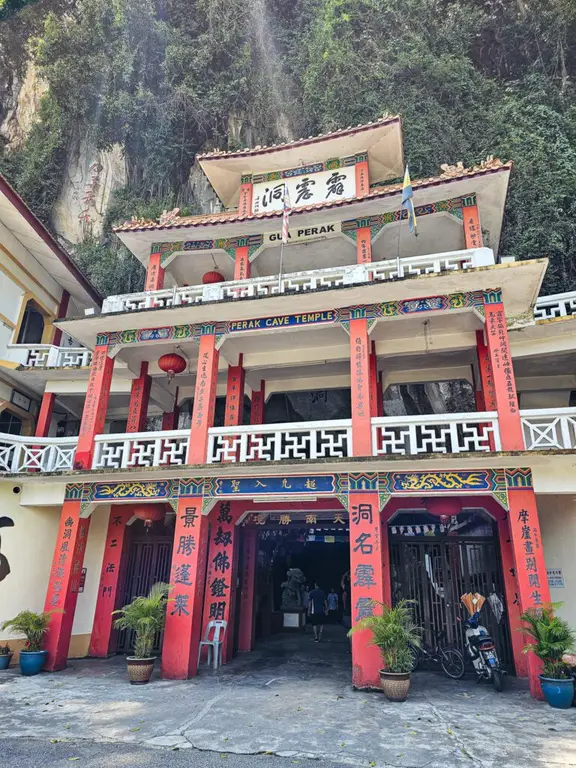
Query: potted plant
x,y
6,654
34,626
145,616
552,637
394,632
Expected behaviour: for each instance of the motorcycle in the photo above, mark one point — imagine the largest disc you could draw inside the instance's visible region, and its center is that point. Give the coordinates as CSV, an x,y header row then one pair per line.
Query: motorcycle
x,y
482,652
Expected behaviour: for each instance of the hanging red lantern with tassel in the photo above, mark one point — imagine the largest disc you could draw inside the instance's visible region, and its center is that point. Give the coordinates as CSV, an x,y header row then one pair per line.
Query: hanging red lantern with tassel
x,y
149,513
213,277
172,364
443,506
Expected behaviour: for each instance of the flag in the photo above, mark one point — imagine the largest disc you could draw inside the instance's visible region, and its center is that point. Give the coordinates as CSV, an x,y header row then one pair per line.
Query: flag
x,y
287,210
407,201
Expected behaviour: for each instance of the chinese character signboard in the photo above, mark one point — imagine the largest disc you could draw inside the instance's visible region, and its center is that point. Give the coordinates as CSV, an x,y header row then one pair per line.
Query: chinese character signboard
x,y
306,189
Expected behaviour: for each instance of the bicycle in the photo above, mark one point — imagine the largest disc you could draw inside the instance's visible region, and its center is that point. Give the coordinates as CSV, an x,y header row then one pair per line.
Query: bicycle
x,y
449,658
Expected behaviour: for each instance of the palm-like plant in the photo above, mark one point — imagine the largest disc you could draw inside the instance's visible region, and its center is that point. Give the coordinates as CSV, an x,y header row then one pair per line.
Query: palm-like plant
x,y
394,632
146,616
33,625
553,638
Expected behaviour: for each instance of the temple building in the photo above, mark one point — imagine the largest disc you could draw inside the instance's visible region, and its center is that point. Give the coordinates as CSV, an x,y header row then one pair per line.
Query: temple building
x,y
358,399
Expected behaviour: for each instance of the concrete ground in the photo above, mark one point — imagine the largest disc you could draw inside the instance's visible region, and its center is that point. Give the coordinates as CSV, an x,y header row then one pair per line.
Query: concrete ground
x,y
290,698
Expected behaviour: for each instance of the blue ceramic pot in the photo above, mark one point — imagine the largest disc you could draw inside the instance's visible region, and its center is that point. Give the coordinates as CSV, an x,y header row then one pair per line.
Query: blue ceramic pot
x,y
558,693
31,662
5,660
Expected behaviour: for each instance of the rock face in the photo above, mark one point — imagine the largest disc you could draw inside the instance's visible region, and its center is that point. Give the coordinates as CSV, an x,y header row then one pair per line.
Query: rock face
x,y
21,101
204,197
90,178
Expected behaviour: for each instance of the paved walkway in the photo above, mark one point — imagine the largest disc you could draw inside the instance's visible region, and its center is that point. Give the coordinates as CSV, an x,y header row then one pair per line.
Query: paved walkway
x,y
292,698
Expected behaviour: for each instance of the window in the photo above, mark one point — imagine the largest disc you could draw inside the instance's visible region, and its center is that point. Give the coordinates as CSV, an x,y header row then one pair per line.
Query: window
x,y
10,423
32,325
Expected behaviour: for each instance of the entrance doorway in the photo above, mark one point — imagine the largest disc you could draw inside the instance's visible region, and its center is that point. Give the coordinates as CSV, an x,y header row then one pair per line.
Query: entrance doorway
x,y
434,564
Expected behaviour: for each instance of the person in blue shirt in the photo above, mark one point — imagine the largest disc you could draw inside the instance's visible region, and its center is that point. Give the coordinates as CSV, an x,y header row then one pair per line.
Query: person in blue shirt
x,y
317,611
333,606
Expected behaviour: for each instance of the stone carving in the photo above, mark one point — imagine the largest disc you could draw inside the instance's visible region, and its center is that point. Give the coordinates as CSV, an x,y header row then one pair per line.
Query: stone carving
x,y
292,589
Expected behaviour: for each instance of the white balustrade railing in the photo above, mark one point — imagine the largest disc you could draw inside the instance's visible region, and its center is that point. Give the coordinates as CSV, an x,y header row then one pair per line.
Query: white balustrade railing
x,y
557,305
36,454
49,356
300,282
438,433
546,428
141,449
281,442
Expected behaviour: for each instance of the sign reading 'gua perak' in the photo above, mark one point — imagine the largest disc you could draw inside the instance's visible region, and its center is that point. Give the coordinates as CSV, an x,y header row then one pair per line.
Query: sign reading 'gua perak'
x,y
302,234
308,189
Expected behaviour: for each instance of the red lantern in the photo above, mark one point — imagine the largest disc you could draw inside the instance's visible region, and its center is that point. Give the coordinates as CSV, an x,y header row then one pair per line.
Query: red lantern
x,y
213,277
443,506
150,513
172,364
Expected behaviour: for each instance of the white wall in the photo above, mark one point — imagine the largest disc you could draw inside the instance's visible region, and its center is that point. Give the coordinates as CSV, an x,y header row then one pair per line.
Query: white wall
x,y
558,525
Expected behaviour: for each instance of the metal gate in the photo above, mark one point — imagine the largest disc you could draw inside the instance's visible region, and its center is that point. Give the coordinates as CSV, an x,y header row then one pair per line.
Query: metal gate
x,y
436,573
149,560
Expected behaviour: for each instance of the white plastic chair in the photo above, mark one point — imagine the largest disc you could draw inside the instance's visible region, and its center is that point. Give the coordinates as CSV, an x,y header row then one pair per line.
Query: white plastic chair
x,y
215,645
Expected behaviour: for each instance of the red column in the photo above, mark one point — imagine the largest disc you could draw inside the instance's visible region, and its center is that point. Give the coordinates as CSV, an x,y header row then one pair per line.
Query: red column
x,y
222,572
530,564
360,388
108,598
500,358
245,202
517,639
374,395
234,395
64,581
139,399
248,591
366,579
62,309
95,406
184,612
363,245
472,228
45,414
257,404
154,273
380,398
486,375
170,419
362,178
242,263
204,399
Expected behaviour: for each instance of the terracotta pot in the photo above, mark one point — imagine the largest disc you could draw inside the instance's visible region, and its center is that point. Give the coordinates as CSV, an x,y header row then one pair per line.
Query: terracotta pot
x,y
139,670
395,685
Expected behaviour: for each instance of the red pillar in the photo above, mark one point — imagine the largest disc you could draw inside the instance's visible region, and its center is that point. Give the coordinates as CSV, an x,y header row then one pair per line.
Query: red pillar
x,y
363,245
64,581
500,359
222,572
248,591
245,202
108,598
62,309
367,583
184,612
472,228
45,414
95,406
512,597
154,273
257,404
362,177
170,419
360,388
380,397
374,394
204,399
529,558
486,376
242,263
139,399
234,395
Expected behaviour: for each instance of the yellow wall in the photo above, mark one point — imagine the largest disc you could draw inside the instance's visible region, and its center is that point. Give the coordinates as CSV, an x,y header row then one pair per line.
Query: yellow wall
x,y
558,525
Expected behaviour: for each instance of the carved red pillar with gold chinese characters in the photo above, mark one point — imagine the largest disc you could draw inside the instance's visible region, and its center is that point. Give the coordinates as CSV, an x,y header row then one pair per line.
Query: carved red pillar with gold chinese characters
x,y
139,399
154,273
109,587
509,573
204,399
257,404
248,590
245,201
362,175
221,575
471,221
528,551
366,576
64,582
234,409
363,245
95,404
500,359
360,387
187,580
242,263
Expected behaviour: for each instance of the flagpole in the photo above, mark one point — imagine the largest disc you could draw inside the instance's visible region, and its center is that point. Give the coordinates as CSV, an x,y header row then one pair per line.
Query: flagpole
x,y
281,264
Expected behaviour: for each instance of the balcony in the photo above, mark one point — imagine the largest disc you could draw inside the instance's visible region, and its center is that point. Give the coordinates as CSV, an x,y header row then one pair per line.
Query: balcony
x,y
48,356
557,305
461,433
301,282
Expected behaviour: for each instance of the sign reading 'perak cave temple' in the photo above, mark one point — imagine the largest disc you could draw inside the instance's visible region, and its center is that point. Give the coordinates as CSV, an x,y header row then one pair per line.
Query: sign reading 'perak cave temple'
x,y
307,189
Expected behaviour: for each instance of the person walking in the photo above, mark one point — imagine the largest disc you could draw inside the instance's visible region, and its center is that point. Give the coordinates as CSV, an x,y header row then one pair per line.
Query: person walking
x,y
333,606
317,611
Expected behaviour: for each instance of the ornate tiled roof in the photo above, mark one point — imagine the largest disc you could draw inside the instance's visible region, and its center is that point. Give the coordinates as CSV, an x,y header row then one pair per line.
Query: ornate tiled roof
x,y
449,173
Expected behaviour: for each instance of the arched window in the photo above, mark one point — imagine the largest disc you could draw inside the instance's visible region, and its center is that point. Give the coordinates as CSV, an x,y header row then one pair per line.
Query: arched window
x,y
10,423
32,325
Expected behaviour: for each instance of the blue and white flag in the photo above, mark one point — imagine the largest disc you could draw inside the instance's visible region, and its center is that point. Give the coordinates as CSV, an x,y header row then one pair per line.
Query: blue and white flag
x,y
408,202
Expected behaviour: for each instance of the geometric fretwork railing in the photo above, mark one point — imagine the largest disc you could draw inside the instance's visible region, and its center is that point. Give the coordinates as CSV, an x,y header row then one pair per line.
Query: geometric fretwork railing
x,y
36,454
557,305
141,449
549,428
